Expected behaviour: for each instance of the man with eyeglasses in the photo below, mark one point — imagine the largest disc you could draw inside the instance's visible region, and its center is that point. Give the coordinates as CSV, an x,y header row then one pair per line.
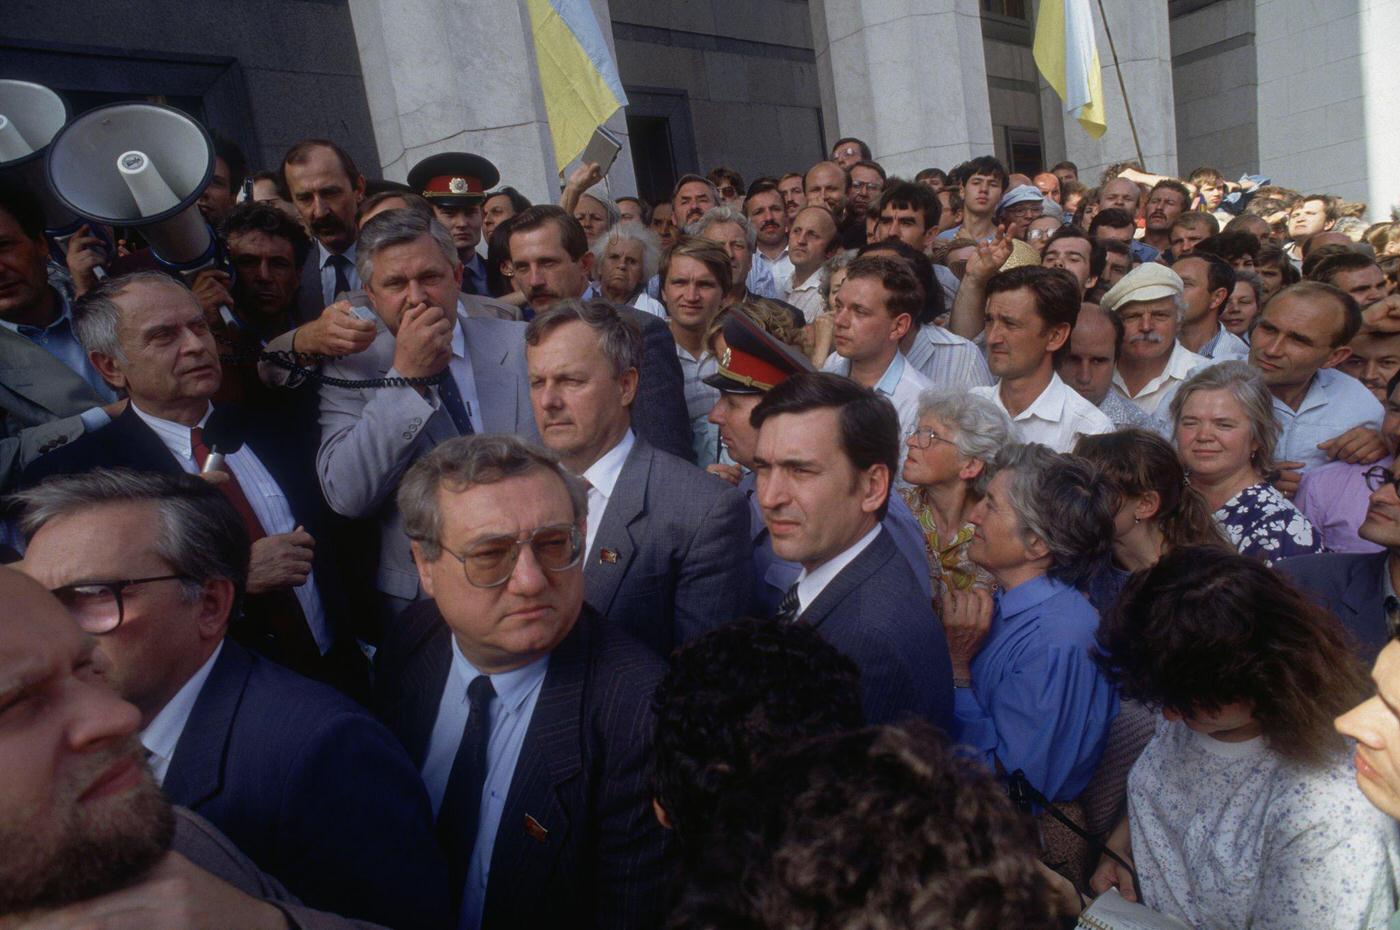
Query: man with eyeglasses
x,y
302,780
867,181
527,712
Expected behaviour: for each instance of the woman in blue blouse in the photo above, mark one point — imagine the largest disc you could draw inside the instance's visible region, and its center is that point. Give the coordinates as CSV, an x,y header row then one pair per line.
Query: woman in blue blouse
x,y
1028,692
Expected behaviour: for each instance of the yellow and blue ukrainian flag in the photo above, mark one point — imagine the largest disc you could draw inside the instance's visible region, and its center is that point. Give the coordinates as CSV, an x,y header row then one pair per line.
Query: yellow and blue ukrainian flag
x,y
578,76
1068,55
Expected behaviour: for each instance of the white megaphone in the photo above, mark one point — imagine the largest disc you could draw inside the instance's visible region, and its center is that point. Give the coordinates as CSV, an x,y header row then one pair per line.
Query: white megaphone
x,y
30,116
141,165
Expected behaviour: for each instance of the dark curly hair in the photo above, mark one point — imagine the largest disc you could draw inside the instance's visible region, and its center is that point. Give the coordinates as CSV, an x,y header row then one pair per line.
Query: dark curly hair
x,y
880,827
734,695
1204,628
255,216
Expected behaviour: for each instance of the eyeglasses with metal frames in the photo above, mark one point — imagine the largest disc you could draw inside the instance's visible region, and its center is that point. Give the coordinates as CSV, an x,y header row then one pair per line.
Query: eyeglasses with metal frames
x,y
490,562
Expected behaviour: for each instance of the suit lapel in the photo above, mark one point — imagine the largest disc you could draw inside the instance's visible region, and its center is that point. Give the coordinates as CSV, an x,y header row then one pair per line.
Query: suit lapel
x,y
196,773
536,823
606,564
424,677
495,385
880,550
40,378
137,444
309,302
1364,596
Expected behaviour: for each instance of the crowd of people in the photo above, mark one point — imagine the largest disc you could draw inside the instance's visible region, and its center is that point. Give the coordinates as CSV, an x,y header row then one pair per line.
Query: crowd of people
x,y
832,550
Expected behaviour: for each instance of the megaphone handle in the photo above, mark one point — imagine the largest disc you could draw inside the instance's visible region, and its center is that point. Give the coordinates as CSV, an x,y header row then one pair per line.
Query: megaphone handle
x,y
99,273
231,321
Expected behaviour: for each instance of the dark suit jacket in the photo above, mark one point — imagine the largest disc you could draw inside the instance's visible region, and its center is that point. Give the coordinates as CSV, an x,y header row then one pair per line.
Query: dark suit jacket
x,y
313,790
659,413
310,300
1350,585
582,774
873,612
127,442
679,560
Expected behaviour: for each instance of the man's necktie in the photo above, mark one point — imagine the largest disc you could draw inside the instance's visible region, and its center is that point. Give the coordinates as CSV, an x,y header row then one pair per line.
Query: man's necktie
x,y
456,408
460,813
341,264
787,607
274,617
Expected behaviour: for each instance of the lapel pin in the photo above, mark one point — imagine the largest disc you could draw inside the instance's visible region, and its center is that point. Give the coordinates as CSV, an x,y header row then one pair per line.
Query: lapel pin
x,y
535,830
607,556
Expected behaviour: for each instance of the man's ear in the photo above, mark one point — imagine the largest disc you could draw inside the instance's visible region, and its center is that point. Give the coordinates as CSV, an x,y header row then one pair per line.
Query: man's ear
x,y
876,490
215,606
586,263
1059,335
1339,354
109,369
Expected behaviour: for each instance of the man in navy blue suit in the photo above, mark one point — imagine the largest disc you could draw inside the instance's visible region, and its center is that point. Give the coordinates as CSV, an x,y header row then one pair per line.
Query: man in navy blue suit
x,y
827,452
302,780
528,714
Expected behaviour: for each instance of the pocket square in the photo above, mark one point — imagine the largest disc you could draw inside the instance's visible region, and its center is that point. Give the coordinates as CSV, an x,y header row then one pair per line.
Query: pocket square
x,y
535,830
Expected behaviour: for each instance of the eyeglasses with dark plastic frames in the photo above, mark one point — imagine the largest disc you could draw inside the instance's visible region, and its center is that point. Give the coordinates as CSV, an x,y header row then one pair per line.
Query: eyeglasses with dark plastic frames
x,y
99,606
490,562
924,437
1378,476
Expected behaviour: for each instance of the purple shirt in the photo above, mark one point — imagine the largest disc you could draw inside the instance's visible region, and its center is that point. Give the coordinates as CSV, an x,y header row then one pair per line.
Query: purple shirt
x,y
1334,497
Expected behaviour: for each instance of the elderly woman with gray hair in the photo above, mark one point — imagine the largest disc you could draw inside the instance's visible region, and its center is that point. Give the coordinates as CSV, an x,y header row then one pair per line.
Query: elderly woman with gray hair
x,y
946,467
1223,418
1028,694
626,257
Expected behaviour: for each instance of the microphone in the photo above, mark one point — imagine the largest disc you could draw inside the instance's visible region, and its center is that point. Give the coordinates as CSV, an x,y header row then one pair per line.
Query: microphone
x,y
221,437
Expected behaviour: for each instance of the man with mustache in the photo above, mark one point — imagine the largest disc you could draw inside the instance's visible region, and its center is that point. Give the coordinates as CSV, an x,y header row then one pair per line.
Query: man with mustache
x,y
1167,201
1151,302
87,834
326,188
767,211
148,336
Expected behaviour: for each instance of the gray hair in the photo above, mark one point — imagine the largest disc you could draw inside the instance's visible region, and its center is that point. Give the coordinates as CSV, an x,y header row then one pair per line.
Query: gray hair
x,y
838,262
619,337
1061,500
630,232
980,428
1246,385
609,207
464,463
1255,283
96,316
724,213
198,534
399,227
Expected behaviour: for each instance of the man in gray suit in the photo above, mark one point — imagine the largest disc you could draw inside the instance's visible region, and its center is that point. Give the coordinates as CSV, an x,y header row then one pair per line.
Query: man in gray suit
x,y
371,434
49,394
667,553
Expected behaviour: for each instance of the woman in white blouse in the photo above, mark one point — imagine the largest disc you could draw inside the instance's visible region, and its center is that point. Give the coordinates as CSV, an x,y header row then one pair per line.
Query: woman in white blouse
x,y
1242,810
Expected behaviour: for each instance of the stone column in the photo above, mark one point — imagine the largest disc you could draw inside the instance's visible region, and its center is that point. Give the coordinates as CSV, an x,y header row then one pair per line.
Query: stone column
x,y
1144,53
458,75
906,76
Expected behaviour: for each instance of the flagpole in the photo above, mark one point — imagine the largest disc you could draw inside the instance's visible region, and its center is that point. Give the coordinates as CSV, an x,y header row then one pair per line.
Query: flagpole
x,y
1122,86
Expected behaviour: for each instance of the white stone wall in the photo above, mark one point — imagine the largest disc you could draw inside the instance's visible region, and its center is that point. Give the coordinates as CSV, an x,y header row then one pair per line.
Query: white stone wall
x,y
1216,85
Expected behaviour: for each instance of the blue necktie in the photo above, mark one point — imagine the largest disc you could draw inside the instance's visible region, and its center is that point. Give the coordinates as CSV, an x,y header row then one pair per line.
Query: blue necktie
x,y
456,408
461,803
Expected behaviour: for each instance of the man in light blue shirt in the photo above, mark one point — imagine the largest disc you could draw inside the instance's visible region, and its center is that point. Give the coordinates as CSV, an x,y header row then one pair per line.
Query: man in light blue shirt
x,y
1299,339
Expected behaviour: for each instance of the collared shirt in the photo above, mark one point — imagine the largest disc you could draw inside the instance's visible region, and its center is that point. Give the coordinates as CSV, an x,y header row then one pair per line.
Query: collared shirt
x,y
1156,395
59,340
1335,402
648,304
1142,252
1225,346
1334,497
948,561
328,272
699,399
807,296
780,268
460,365
811,584
1124,412
957,231
1056,418
602,478
902,383
1038,701
162,735
760,282
264,496
948,360
517,691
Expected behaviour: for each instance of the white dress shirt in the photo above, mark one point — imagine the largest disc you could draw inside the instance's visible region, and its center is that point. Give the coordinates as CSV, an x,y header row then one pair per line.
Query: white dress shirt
x,y
811,584
264,496
1225,346
1156,395
460,365
902,383
162,735
323,256
1335,402
947,359
1056,418
602,478
780,268
807,296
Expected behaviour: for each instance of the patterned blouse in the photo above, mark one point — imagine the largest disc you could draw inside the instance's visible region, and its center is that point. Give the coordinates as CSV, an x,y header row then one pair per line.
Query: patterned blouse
x,y
948,563
1264,524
